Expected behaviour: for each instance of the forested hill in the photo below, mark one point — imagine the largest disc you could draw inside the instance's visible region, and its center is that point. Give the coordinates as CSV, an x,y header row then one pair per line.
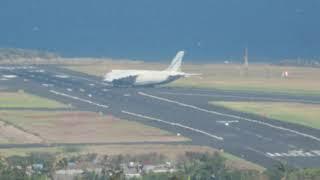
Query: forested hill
x,y
13,53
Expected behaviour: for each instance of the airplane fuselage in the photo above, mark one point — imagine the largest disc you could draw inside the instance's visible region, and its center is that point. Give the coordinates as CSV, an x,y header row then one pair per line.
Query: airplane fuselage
x,y
127,78
141,77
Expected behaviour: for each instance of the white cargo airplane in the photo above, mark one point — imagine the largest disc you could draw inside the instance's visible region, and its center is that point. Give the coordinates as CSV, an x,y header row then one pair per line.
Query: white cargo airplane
x,y
130,78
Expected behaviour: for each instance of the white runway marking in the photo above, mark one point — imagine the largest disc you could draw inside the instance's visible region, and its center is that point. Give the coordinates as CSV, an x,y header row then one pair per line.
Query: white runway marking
x,y
78,77
230,116
229,122
62,76
295,153
13,68
47,85
37,71
173,124
9,76
243,97
79,99
90,80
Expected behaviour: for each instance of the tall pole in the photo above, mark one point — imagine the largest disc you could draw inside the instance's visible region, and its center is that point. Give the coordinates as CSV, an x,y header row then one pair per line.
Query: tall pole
x,y
246,63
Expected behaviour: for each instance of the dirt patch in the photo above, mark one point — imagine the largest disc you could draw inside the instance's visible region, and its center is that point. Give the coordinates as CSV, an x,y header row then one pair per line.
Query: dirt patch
x,y
86,127
11,134
59,115
171,151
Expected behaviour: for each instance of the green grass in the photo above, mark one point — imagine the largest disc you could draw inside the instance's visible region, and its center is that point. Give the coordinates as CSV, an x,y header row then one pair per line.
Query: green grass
x,y
303,114
23,100
246,86
26,151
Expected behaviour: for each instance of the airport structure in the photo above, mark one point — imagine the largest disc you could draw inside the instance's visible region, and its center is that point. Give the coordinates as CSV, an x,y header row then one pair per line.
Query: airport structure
x,y
183,111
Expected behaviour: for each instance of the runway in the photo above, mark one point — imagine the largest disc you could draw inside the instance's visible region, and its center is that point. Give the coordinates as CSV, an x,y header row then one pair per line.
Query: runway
x,y
180,110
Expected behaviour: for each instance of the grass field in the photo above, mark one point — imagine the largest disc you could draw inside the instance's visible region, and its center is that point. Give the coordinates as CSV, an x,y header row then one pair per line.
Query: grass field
x,y
84,127
303,114
87,127
24,100
258,77
261,78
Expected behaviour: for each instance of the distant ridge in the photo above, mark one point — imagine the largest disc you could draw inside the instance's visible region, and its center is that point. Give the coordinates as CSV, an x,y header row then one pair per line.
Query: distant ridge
x,y
17,53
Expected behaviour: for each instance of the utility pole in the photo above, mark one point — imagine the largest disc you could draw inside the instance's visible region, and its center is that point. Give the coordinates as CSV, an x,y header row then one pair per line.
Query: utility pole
x,y
246,62
245,58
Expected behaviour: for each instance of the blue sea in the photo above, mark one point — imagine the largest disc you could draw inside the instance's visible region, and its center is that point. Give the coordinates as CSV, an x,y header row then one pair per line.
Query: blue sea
x,y
208,30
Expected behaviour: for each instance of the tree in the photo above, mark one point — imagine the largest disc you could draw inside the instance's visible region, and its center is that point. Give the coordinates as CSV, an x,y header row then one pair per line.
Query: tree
x,y
62,163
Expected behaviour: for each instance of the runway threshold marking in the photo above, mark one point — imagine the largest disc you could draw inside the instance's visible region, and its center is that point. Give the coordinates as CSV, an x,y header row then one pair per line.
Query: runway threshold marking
x,y
243,97
79,99
230,116
295,153
174,124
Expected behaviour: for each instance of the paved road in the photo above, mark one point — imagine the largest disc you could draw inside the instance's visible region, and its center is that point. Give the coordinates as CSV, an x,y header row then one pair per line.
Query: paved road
x,y
185,111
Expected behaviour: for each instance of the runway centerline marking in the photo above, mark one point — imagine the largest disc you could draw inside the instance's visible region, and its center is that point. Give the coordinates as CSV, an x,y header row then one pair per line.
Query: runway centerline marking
x,y
230,116
243,97
79,99
173,124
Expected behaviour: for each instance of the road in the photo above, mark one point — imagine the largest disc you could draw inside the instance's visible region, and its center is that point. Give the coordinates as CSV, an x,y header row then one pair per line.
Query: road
x,y
180,110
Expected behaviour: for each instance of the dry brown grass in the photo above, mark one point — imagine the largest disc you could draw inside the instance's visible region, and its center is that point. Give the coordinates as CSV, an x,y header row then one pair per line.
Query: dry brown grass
x,y
12,135
261,77
85,127
171,151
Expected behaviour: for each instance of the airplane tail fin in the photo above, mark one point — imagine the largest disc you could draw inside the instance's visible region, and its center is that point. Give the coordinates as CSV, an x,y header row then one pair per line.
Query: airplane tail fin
x,y
176,62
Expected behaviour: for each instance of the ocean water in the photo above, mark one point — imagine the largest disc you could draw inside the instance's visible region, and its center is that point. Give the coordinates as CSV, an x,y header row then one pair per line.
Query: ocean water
x,y
208,30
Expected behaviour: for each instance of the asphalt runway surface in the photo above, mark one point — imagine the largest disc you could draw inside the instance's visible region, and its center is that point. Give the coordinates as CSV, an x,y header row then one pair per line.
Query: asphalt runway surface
x,y
180,110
